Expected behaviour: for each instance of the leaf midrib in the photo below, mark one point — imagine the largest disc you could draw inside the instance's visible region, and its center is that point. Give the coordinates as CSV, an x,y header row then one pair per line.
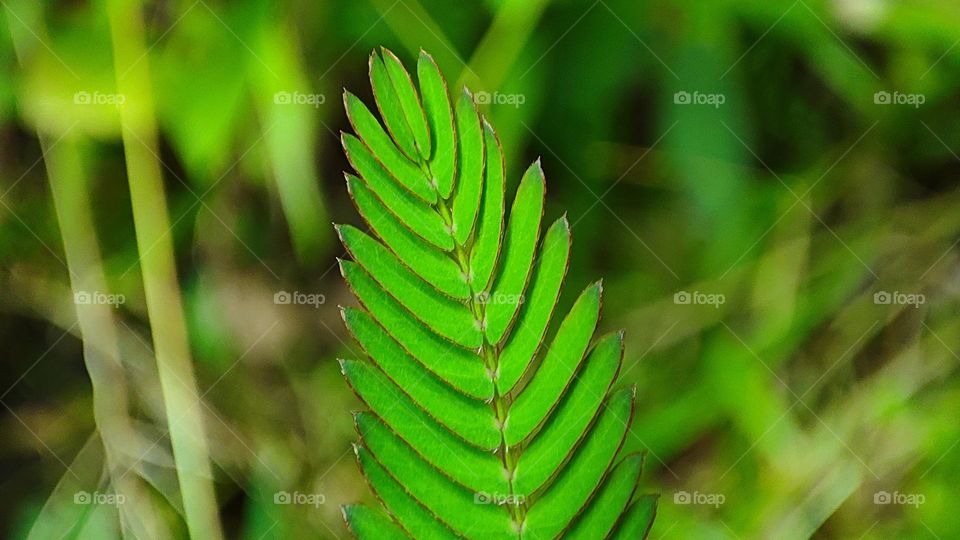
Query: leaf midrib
x,y
491,358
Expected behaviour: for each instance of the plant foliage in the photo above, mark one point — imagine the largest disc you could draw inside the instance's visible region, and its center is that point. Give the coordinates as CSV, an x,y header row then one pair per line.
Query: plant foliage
x,y
476,427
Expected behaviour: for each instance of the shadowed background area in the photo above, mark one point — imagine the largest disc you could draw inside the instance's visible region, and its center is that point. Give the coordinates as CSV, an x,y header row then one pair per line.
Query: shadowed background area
x,y
768,189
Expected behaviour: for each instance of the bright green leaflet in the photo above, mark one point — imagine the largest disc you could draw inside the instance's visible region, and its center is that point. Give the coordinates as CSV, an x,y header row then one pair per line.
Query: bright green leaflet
x,y
444,316
519,248
380,144
472,468
457,366
610,502
433,266
413,518
436,103
638,519
418,218
476,428
486,247
469,419
365,523
409,101
566,426
389,104
539,397
471,158
525,338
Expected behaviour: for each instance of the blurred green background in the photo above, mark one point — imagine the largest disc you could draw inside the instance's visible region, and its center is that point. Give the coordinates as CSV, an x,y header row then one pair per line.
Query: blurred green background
x,y
767,187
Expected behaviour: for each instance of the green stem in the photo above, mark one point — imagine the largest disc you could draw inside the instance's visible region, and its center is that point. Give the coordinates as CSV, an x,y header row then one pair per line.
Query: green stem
x,y
491,358
181,400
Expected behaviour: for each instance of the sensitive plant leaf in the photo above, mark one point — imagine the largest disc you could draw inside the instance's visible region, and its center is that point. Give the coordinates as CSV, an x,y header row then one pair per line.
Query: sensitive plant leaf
x,y
416,216
610,501
539,397
637,520
436,103
486,246
519,247
470,163
365,523
409,101
389,104
376,139
433,266
444,316
470,419
469,434
535,313
457,366
412,517
470,467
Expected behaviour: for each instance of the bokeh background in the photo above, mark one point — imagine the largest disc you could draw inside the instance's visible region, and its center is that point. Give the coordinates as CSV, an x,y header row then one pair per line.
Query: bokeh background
x,y
768,188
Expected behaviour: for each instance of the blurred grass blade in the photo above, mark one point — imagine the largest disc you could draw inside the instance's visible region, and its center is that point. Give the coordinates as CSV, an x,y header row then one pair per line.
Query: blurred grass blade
x,y
185,423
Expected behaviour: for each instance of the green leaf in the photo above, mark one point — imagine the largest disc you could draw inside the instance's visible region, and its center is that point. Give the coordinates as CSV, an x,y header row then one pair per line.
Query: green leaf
x,y
476,429
531,326
610,501
518,251
567,495
409,102
460,368
444,316
469,189
365,523
431,265
542,393
417,217
451,504
469,419
376,139
436,103
474,469
486,247
638,519
567,425
390,109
